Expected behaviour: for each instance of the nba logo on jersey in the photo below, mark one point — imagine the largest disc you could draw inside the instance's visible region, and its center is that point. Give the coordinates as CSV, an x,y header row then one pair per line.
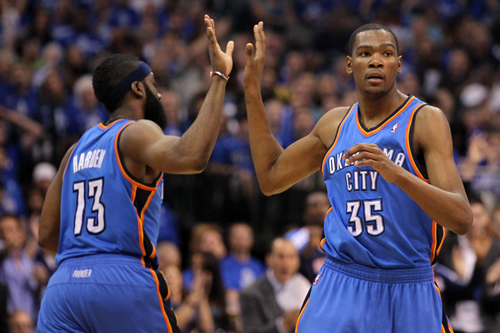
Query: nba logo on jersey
x,y
394,128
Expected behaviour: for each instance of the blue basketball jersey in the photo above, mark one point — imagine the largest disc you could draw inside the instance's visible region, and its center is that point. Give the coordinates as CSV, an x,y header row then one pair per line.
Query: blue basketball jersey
x,y
103,208
373,222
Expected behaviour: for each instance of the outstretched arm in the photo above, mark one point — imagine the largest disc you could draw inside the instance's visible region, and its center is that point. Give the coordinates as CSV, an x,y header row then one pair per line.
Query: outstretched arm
x,y
144,141
443,198
277,169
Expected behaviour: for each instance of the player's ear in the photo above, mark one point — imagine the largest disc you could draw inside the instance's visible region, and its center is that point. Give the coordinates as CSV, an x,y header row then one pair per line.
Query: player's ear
x,y
400,63
137,88
348,65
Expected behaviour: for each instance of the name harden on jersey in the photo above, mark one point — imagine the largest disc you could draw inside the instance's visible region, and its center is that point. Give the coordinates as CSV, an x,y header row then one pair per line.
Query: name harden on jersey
x,y
361,180
90,159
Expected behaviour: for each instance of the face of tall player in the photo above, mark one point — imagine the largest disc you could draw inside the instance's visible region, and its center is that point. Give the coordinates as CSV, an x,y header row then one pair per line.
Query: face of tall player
x,y
153,109
375,62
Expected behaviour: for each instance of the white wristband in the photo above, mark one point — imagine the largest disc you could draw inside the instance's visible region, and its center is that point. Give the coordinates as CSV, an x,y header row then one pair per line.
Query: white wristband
x,y
222,75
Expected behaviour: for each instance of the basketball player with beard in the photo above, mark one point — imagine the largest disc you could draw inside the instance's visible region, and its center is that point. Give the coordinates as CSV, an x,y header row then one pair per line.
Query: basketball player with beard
x,y
101,213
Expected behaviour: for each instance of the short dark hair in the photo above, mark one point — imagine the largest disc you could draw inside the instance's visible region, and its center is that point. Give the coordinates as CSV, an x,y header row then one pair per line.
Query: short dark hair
x,y
109,74
368,27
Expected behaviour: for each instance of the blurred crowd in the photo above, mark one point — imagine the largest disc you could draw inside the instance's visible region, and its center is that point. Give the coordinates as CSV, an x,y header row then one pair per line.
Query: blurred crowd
x,y
222,243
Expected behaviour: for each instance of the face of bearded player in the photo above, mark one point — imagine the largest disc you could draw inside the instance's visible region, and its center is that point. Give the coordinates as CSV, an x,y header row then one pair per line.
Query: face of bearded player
x,y
153,109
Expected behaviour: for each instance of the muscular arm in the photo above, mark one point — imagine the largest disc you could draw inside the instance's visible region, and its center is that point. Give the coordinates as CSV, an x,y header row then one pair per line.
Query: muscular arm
x,y
277,169
50,219
144,142
444,198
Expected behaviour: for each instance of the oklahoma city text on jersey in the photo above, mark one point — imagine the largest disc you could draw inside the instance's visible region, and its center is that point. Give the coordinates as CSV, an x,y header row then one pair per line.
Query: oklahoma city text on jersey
x,y
361,180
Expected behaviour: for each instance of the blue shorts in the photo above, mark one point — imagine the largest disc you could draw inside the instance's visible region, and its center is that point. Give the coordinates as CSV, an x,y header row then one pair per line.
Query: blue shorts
x,y
353,298
106,293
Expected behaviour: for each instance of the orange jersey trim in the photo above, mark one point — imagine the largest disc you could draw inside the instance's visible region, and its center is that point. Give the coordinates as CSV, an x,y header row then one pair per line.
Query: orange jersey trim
x,y
139,227
408,147
122,169
437,244
103,126
442,241
365,133
336,139
323,241
300,316
165,317
434,241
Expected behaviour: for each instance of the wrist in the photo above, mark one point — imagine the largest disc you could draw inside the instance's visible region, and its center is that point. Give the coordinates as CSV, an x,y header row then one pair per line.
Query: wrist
x,y
219,74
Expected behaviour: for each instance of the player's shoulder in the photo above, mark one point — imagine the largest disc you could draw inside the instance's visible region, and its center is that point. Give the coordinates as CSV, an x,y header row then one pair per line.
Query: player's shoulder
x,y
331,120
338,112
429,113
140,129
333,116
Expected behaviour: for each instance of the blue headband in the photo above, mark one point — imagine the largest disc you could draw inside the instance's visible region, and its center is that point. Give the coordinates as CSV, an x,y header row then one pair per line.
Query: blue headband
x,y
138,74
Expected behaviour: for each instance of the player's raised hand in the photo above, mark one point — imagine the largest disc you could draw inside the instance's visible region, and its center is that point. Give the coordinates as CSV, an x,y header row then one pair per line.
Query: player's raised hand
x,y
255,55
221,61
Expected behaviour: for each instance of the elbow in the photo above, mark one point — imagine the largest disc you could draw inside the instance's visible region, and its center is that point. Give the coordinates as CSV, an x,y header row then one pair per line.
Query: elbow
x,y
46,246
199,165
463,224
266,192
269,189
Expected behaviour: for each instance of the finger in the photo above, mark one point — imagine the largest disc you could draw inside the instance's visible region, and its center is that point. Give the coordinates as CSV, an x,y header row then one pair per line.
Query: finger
x,y
208,22
213,39
230,48
359,147
260,37
363,155
249,53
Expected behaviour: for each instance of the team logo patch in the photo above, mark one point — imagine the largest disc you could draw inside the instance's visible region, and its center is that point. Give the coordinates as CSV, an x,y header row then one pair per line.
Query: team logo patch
x,y
317,279
394,128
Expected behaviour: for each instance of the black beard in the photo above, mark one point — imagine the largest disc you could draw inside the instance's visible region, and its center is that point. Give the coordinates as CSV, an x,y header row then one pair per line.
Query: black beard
x,y
153,110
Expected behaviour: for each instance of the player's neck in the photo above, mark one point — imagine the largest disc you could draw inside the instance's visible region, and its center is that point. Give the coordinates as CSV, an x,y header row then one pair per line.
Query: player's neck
x,y
125,112
374,109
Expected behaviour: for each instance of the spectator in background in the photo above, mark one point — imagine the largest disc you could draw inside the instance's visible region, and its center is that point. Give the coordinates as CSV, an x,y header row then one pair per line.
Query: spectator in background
x,y
25,280
206,263
20,322
272,303
243,188
22,96
280,120
168,254
467,273
51,59
495,221
306,239
192,309
316,206
55,113
11,198
239,268
43,174
173,109
205,237
481,166
169,227
88,111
